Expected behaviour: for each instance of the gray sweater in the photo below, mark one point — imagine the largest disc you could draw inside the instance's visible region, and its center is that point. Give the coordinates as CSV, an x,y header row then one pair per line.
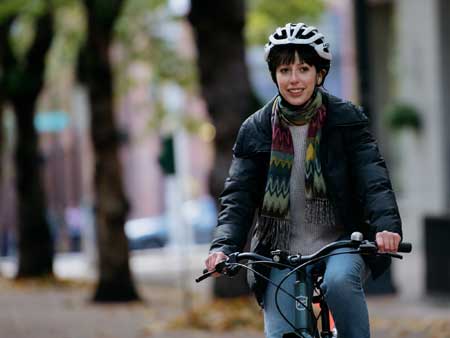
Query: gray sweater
x,y
309,233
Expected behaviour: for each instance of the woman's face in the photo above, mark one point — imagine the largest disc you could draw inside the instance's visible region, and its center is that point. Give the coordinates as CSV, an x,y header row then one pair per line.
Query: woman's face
x,y
296,81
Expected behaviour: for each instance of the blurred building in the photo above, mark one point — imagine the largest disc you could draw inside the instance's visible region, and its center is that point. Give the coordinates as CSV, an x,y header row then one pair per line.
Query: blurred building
x,y
408,49
406,90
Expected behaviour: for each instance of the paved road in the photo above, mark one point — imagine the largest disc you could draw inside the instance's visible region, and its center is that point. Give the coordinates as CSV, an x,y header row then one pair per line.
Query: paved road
x,y
63,311
166,281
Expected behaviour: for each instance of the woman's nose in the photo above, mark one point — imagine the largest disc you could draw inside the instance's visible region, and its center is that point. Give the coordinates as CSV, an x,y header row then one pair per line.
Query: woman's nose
x,y
295,76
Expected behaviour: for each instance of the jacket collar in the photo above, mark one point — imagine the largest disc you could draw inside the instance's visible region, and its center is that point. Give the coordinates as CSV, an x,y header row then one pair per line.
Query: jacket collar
x,y
342,113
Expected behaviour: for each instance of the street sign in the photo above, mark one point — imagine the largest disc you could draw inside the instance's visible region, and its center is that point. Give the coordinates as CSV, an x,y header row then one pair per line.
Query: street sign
x,y
51,121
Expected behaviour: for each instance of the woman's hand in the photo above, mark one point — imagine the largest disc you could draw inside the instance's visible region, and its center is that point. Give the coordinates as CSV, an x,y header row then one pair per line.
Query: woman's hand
x,y
213,259
387,241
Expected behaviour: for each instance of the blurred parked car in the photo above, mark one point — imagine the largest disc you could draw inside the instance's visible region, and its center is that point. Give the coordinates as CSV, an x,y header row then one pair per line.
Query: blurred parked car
x,y
154,232
201,214
147,233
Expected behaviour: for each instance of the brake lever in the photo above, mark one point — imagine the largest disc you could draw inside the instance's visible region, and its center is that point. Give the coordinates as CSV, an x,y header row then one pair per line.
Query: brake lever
x,y
391,254
230,267
367,248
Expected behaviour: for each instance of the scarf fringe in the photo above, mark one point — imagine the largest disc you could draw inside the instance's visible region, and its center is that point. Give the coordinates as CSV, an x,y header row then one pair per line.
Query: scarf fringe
x,y
274,232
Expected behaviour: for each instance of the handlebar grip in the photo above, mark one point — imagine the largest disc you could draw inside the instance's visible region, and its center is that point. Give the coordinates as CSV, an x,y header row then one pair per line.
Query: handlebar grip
x,y
405,247
205,275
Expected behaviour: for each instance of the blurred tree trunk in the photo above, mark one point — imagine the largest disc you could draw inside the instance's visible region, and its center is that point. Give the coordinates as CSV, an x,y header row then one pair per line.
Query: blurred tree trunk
x,y
225,86
2,134
3,226
115,280
21,83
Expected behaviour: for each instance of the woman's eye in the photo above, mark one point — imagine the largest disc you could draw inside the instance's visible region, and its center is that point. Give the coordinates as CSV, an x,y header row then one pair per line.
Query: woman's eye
x,y
284,70
304,69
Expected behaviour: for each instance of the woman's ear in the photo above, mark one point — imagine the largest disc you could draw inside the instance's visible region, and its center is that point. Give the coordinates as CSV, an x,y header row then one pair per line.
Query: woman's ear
x,y
320,77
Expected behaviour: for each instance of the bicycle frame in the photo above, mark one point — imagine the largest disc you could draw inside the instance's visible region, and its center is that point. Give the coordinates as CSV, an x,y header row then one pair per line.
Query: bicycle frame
x,y
303,306
305,298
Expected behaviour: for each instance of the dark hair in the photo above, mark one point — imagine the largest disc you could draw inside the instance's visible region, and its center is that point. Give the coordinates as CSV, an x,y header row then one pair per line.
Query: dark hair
x,y
285,54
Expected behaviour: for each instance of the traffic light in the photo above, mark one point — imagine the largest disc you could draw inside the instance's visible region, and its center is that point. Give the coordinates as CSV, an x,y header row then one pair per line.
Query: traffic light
x,y
166,157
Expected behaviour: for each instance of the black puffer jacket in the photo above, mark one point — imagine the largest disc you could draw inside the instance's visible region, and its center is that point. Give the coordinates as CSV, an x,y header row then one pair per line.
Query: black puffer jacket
x,y
356,177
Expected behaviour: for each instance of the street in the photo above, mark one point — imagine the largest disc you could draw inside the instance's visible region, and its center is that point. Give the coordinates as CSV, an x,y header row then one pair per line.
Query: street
x,y
175,306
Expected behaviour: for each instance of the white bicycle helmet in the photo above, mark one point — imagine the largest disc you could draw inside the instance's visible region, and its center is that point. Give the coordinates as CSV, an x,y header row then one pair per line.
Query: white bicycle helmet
x,y
299,34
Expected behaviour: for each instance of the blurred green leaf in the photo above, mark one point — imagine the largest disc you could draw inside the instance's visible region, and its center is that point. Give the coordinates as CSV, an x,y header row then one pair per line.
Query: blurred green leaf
x,y
70,31
403,115
263,16
11,7
147,32
29,7
26,12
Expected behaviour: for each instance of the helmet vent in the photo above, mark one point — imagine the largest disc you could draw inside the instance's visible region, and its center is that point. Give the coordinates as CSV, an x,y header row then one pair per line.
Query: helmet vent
x,y
299,34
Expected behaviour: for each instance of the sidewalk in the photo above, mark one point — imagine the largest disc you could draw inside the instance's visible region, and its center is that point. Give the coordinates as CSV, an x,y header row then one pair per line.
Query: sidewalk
x,y
63,311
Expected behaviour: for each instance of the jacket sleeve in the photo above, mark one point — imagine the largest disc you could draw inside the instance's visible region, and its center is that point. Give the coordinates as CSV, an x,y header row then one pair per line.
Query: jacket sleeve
x,y
240,197
372,182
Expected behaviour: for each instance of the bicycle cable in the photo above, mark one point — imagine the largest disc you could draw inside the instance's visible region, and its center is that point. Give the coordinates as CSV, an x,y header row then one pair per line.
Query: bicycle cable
x,y
263,277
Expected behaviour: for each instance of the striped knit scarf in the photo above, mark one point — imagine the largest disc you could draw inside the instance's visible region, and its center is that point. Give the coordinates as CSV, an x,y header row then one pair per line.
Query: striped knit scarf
x,y
274,223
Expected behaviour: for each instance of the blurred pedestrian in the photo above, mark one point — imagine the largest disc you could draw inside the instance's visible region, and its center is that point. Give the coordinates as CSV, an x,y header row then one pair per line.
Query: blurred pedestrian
x,y
307,165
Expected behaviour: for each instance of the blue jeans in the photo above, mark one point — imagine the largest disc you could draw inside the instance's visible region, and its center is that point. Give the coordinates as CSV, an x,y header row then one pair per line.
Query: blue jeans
x,y
342,287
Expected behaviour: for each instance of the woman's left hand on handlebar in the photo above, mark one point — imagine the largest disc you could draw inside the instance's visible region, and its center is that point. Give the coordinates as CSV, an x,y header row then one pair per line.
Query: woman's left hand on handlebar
x,y
213,259
387,241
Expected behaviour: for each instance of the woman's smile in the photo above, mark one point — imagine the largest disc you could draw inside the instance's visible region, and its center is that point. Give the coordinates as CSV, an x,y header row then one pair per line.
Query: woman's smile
x,y
296,91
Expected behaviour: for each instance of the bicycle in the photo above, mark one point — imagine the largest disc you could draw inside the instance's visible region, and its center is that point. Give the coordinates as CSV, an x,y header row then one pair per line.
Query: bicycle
x,y
306,323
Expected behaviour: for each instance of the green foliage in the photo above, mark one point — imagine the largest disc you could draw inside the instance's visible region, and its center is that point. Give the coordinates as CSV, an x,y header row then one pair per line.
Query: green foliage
x,y
140,29
22,33
148,33
29,7
13,7
24,50
263,16
69,27
70,32
403,115
136,7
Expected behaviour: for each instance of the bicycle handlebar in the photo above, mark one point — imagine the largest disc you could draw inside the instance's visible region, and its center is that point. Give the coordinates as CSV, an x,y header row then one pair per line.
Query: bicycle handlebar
x,y
280,258
405,247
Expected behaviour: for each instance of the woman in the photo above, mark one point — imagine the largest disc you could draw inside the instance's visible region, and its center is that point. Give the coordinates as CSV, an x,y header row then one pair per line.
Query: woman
x,y
308,167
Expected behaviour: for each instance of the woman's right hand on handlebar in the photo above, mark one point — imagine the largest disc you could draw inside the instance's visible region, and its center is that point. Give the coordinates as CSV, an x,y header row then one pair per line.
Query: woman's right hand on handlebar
x,y
213,259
